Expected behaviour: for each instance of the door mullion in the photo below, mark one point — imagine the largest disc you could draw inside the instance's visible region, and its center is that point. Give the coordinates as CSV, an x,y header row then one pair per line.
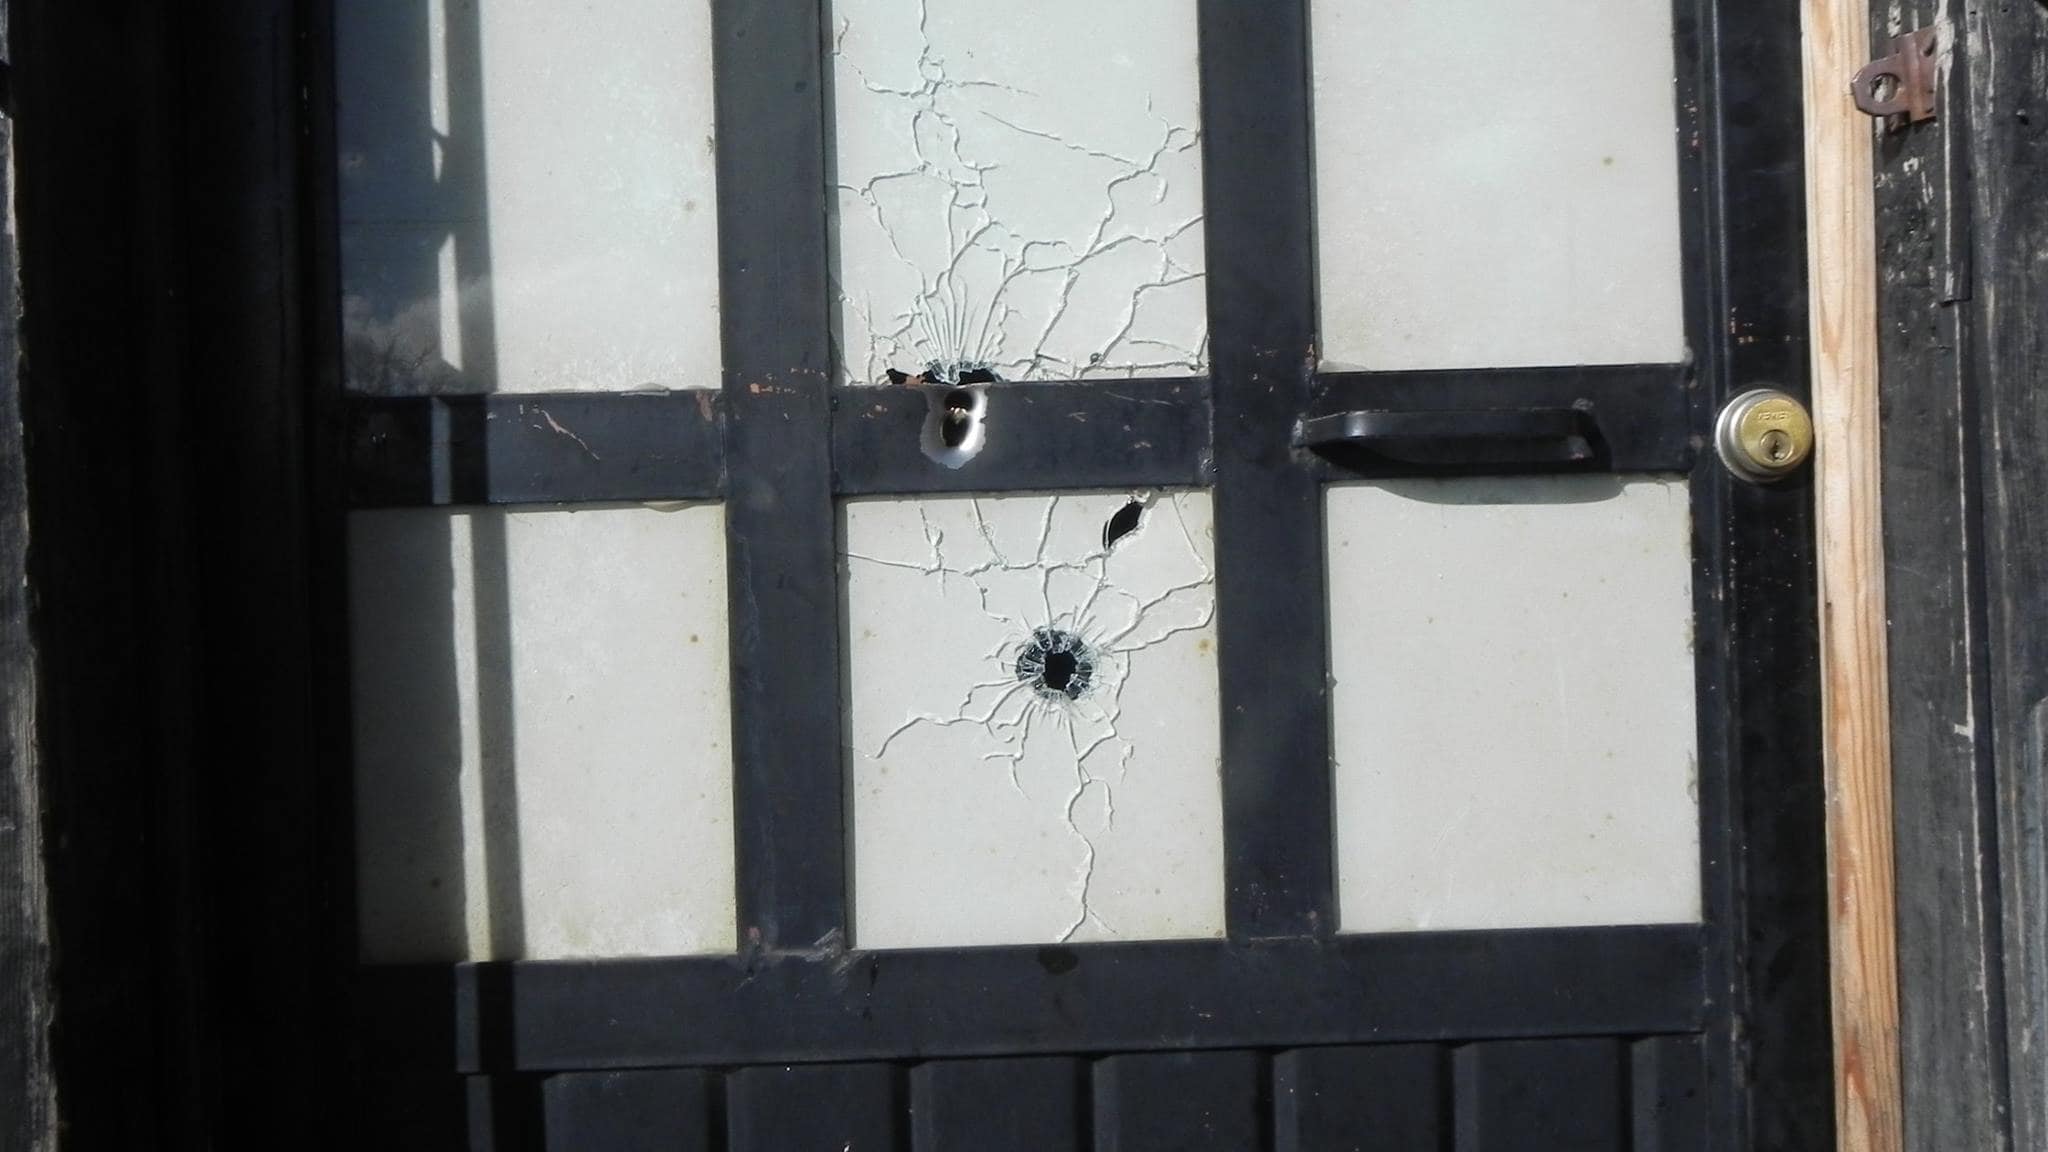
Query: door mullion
x,y
1270,606
780,522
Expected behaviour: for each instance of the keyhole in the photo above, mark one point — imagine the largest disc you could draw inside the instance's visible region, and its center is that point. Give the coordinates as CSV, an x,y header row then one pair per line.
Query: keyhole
x,y
1777,446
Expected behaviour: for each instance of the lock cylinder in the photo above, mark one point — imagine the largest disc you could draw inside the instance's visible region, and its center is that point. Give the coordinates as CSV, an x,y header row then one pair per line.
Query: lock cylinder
x,y
1763,435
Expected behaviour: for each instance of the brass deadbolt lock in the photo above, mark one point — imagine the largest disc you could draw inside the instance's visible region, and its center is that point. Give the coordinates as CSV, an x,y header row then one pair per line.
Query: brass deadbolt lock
x,y
1764,435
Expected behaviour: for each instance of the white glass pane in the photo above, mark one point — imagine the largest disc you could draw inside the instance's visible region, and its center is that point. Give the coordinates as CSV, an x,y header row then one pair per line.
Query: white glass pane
x,y
1513,699
527,195
542,733
1496,183
1032,719
1018,186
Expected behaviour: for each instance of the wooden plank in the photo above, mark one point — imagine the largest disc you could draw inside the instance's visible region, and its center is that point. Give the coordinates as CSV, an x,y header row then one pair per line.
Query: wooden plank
x,y
1180,1102
1032,1105
102,223
2005,47
1855,734
1952,1062
27,1080
841,1107
1381,1098
1539,1096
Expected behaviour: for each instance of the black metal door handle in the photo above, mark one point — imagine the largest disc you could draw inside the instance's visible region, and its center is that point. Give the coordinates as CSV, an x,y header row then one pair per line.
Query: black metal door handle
x,y
1459,438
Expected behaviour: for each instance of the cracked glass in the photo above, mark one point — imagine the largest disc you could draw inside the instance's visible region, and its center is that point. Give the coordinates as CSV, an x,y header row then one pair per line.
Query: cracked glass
x,y
527,196
1496,183
1018,188
1032,719
1512,698
542,732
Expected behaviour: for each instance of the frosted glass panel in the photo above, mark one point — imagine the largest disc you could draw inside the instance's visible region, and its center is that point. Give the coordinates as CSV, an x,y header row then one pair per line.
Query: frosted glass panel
x,y
1019,186
1033,719
527,195
1496,183
1513,701
542,733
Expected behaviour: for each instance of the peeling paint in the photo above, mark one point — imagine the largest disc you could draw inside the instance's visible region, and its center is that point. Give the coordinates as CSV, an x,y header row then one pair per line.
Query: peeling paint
x,y
999,794
994,211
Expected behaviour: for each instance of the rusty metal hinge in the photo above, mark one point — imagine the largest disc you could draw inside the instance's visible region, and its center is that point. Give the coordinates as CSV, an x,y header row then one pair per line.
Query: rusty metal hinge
x,y
1911,69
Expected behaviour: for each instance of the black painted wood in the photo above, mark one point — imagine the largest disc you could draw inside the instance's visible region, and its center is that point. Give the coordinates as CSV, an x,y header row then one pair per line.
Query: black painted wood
x,y
2005,47
105,218
26,1077
781,523
1668,1094
1540,1096
1950,979
838,1107
543,448
560,1015
1029,1105
1385,1098
649,1111
1043,437
1180,1102
1272,636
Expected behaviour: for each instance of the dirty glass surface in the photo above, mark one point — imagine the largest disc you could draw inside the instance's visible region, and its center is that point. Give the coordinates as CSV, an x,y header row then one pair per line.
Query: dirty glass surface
x,y
527,195
1017,187
1496,183
542,733
1032,719
1512,696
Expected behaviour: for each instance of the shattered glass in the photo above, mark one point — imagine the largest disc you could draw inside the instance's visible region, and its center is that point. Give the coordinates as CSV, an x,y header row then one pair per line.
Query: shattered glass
x,y
999,212
1032,714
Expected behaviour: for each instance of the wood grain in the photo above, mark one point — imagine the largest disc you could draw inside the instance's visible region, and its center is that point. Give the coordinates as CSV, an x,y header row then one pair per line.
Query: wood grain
x,y
1842,258
2003,48
1951,983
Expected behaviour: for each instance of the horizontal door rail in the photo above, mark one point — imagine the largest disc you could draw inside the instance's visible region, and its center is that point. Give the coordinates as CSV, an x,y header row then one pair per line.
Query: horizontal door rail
x,y
837,1005
603,447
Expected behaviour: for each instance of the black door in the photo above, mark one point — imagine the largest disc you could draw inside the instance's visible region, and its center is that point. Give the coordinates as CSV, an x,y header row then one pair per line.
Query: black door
x,y
1394,904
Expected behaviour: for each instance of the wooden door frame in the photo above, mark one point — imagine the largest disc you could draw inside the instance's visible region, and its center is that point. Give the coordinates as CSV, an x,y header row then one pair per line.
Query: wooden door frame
x,y
1962,232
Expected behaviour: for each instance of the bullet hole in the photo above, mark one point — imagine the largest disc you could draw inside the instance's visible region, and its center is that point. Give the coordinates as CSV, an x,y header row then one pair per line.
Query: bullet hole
x,y
1058,664
954,374
959,422
1122,524
956,400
